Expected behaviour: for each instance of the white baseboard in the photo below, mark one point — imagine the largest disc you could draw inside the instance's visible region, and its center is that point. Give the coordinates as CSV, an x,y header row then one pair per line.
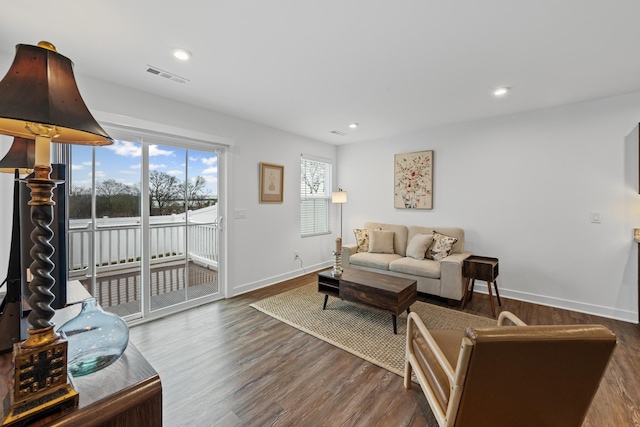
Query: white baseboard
x,y
596,310
248,287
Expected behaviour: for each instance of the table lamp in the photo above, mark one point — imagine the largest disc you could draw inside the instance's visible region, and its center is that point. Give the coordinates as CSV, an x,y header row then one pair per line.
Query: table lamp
x,y
19,161
39,99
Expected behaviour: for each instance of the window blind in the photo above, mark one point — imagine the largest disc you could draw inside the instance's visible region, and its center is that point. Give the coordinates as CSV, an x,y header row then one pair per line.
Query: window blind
x,y
315,196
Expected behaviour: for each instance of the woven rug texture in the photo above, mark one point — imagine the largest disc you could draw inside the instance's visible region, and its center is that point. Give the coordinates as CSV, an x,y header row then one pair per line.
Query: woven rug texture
x,y
363,331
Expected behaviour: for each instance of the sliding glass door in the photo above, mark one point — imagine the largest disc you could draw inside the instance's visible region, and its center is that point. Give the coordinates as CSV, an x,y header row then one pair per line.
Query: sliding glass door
x,y
144,225
183,226
105,235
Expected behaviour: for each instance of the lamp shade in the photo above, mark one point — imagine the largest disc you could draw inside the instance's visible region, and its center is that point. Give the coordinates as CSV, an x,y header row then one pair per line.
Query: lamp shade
x,y
21,156
40,88
339,196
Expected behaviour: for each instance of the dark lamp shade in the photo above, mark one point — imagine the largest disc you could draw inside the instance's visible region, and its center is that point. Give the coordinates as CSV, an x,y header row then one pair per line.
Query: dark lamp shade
x,y
40,88
21,156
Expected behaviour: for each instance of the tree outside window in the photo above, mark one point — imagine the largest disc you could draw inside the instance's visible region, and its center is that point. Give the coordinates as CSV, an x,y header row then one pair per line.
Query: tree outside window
x,y
315,196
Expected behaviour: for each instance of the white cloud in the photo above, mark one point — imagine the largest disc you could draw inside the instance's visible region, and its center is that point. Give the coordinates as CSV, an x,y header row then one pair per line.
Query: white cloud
x,y
175,172
125,148
210,179
210,170
153,166
75,167
128,172
155,151
210,160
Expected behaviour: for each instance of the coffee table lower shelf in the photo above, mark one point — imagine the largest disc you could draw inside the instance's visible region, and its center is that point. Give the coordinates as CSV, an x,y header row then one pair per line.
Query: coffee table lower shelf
x,y
381,291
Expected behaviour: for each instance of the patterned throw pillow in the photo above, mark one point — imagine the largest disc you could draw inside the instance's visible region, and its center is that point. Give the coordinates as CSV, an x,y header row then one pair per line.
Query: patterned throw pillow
x,y
441,246
362,239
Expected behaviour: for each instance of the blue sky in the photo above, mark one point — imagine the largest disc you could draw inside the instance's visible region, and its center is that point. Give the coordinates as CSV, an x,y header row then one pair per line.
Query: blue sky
x,y
122,162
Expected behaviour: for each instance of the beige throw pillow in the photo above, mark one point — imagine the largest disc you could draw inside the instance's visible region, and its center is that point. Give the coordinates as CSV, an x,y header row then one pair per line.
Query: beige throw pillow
x,y
362,239
381,241
418,245
441,246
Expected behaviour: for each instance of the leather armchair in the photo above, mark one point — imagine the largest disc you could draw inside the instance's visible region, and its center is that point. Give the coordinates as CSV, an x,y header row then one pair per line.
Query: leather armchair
x,y
508,375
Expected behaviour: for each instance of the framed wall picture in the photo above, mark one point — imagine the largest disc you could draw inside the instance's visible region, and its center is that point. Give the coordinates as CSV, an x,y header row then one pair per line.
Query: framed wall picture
x,y
271,183
413,180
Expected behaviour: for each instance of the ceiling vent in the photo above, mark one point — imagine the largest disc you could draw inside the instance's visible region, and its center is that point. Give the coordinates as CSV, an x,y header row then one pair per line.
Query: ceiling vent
x,y
167,75
338,132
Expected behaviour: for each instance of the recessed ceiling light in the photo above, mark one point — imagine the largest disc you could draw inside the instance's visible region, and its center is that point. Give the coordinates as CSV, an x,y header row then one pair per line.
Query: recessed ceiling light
x,y
501,91
181,54
353,125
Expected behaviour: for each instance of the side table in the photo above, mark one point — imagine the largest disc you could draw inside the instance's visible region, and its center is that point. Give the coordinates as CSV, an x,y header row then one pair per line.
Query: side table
x,y
480,268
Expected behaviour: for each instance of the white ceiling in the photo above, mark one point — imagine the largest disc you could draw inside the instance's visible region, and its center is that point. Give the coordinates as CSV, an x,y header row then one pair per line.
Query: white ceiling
x,y
312,66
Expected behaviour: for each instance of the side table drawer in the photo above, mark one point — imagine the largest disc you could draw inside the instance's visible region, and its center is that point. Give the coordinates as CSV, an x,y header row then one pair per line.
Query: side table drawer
x,y
480,268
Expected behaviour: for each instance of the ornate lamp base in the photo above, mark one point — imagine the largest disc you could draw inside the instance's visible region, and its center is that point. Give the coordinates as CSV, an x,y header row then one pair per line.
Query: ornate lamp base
x,y
337,264
40,380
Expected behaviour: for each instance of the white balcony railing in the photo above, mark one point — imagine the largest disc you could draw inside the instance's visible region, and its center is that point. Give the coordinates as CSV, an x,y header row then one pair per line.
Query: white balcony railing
x,y
118,243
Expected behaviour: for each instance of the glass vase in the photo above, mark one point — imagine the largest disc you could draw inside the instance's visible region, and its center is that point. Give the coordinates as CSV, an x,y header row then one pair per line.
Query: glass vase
x,y
95,338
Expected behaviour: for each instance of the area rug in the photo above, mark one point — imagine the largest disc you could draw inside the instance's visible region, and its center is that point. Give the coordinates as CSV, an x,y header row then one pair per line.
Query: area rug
x,y
363,331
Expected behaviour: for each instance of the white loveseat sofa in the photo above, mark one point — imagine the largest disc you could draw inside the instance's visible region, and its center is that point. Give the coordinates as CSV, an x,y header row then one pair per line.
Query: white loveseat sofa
x,y
441,277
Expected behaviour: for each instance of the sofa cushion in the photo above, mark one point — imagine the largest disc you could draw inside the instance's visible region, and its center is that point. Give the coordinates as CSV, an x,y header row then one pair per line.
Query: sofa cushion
x,y
422,267
399,238
379,261
441,247
362,239
381,241
417,247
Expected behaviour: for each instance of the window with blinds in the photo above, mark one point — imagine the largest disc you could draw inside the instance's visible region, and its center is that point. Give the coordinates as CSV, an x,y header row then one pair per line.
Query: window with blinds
x,y
315,196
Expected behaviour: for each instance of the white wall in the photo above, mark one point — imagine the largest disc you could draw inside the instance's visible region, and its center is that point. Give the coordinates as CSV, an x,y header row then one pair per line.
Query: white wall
x,y
259,248
523,188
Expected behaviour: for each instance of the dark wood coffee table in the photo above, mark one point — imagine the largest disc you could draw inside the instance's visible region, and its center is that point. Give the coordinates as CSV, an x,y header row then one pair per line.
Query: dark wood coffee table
x,y
388,293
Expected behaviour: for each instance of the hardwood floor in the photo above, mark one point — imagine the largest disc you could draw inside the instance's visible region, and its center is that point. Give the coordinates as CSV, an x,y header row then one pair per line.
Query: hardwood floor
x,y
227,364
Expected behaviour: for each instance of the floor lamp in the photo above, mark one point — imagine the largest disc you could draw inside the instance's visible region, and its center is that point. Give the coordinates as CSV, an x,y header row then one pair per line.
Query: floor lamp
x,y
39,99
339,197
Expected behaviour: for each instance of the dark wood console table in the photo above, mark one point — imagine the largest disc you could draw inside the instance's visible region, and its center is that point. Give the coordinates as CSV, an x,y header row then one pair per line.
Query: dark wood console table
x,y
126,393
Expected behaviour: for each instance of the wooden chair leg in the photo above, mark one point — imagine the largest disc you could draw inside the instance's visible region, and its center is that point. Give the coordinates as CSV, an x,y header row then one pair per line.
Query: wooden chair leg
x,y
495,285
407,375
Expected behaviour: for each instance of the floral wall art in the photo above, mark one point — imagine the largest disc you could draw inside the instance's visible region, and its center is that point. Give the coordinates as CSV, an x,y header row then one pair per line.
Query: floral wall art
x,y
413,185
